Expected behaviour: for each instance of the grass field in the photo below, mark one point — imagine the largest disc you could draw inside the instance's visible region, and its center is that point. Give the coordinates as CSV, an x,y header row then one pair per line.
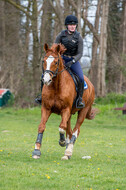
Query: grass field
x,y
104,139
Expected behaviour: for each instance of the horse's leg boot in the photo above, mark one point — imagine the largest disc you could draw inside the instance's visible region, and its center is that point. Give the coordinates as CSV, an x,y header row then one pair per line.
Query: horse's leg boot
x,y
62,141
36,154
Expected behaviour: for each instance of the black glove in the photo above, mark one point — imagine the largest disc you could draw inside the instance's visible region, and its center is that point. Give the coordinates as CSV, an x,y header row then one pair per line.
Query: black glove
x,y
69,64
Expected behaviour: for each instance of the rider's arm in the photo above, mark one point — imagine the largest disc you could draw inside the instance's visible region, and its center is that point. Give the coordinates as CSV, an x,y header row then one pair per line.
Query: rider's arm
x,y
80,49
58,38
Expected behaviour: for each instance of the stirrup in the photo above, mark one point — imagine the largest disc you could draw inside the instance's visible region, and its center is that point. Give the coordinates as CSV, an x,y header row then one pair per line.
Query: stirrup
x,y
38,99
79,103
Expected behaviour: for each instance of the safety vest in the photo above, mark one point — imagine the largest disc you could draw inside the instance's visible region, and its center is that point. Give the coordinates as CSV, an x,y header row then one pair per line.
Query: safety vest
x,y
71,44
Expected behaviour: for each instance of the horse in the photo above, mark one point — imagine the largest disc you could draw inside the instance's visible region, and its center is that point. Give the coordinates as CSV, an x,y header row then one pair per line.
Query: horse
x,y
58,95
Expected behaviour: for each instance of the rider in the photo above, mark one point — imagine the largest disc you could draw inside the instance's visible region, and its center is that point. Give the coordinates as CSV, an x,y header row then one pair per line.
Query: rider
x,y
73,42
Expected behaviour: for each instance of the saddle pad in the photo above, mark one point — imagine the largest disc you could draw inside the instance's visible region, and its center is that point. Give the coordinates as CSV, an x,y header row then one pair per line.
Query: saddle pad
x,y
85,85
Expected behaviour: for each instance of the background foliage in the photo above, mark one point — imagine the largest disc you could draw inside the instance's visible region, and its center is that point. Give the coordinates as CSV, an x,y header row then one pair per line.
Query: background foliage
x,y
25,25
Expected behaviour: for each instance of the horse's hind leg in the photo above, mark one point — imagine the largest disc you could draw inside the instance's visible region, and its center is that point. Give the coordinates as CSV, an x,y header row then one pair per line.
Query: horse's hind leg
x,y
69,132
81,116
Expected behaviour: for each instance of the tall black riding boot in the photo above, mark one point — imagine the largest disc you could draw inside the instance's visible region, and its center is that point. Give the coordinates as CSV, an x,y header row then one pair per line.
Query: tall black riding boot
x,y
79,103
38,99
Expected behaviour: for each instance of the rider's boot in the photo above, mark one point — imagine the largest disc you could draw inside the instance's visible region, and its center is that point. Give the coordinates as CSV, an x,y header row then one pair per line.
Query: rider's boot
x,y
38,99
80,104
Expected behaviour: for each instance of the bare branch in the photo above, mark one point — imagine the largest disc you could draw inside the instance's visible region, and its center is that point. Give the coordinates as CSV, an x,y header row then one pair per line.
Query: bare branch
x,y
54,8
73,4
18,7
92,29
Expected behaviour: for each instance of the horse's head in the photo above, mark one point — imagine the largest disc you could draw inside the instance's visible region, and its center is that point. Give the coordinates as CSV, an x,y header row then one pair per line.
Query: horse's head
x,y
52,61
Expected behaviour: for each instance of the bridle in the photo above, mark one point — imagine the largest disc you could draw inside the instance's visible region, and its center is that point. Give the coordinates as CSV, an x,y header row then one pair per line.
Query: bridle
x,y
52,73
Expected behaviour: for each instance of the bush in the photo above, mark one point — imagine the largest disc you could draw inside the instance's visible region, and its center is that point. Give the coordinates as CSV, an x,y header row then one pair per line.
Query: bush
x,y
111,98
11,101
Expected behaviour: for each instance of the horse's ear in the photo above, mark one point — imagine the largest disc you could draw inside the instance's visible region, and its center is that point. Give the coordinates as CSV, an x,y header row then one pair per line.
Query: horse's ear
x,y
57,49
46,47
60,49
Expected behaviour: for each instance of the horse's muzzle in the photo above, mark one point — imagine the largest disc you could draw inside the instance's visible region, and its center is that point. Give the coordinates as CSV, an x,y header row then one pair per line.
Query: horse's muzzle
x,y
47,79
47,83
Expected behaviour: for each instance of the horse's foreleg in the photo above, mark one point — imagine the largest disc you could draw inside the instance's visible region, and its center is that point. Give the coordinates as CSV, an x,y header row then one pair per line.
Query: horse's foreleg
x,y
45,115
76,131
63,126
68,137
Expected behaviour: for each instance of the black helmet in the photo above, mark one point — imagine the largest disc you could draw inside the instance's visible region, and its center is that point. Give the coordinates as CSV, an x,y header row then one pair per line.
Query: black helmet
x,y
70,19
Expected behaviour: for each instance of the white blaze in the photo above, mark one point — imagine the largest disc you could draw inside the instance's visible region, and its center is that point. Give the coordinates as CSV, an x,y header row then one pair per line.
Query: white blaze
x,y
49,60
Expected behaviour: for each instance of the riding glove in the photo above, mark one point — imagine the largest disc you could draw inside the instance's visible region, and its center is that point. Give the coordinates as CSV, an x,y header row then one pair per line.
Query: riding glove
x,y
69,64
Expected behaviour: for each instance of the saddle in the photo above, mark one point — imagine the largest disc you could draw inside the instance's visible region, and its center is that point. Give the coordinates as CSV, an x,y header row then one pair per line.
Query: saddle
x,y
76,80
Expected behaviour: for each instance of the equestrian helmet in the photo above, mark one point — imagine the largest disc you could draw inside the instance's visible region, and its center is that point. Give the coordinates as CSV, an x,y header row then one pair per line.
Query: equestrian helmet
x,y
71,19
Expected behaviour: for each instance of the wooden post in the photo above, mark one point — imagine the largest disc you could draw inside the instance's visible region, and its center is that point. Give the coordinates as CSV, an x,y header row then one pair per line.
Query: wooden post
x,y
124,110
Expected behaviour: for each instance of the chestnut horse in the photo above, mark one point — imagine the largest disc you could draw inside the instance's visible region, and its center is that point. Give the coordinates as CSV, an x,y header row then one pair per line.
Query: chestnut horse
x,y
58,95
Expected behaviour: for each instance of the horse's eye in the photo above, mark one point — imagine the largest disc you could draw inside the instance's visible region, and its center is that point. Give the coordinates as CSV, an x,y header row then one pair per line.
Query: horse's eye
x,y
56,63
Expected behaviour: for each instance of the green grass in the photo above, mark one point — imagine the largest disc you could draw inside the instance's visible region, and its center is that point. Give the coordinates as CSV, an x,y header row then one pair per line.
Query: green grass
x,y
104,139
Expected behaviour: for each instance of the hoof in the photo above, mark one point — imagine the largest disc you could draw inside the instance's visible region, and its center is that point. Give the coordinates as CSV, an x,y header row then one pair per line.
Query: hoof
x,y
36,154
64,158
36,157
62,143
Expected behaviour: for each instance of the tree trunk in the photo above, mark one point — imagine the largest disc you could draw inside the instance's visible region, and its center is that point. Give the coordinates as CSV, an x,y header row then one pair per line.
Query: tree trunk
x,y
124,28
2,45
46,26
101,87
85,14
94,61
35,61
79,5
123,74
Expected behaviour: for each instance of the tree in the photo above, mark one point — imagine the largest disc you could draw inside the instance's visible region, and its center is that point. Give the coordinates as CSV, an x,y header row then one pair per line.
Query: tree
x,y
94,61
101,87
116,41
26,25
11,48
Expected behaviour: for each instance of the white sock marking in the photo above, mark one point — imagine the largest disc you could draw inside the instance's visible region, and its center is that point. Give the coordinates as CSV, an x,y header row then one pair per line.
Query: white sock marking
x,y
75,133
35,146
67,139
62,131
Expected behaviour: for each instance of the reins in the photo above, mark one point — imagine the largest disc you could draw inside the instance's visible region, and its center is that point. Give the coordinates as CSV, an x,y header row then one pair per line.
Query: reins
x,y
52,73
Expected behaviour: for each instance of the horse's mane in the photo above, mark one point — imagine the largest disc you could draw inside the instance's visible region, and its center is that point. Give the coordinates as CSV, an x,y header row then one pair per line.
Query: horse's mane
x,y
57,48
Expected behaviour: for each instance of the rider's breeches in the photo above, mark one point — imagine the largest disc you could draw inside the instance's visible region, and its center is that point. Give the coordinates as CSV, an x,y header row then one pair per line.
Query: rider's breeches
x,y
76,68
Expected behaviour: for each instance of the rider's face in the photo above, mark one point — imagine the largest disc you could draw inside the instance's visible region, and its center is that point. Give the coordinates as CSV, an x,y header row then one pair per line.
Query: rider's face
x,y
72,27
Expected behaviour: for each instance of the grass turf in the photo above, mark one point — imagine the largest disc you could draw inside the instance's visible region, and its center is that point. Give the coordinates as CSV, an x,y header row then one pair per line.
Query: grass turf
x,y
104,139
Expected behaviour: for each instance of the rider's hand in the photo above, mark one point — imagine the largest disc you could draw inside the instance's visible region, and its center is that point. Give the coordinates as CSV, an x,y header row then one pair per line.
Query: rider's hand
x,y
69,64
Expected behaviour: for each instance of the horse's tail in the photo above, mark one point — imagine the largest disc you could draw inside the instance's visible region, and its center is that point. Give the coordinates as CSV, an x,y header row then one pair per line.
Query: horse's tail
x,y
92,113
